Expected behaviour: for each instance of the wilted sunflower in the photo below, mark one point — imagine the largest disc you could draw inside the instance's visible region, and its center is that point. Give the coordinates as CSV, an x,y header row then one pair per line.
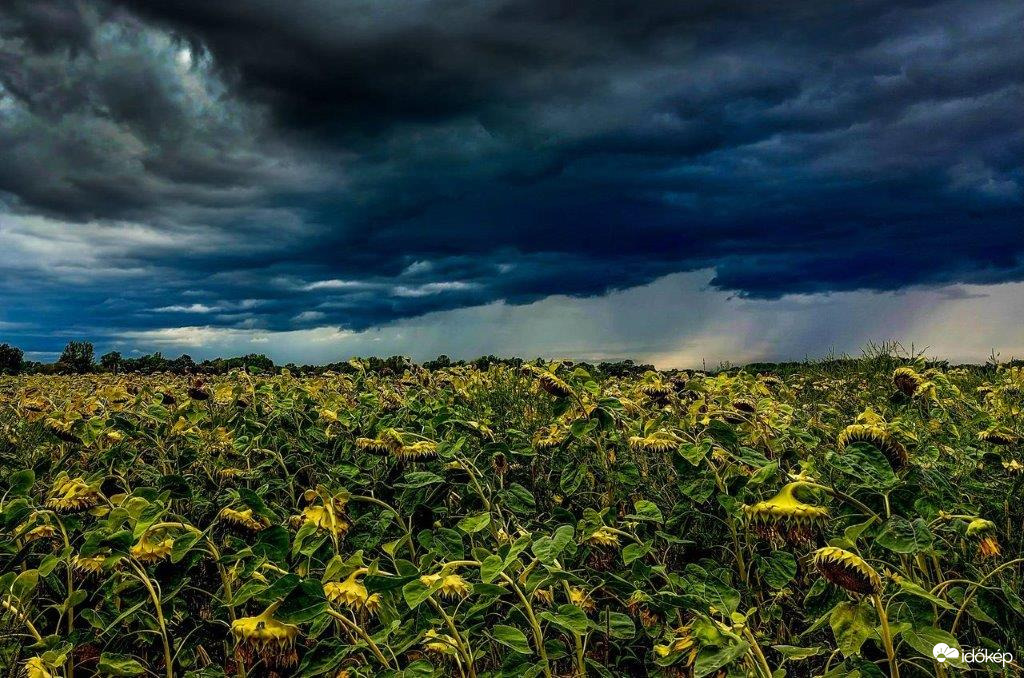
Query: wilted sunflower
x,y
985,531
998,436
681,645
1013,467
149,550
88,565
602,536
62,429
73,494
553,385
198,391
656,442
786,516
847,570
439,643
265,637
745,405
581,599
655,388
244,519
878,437
906,380
352,593
545,596
549,436
36,668
388,441
452,585
417,451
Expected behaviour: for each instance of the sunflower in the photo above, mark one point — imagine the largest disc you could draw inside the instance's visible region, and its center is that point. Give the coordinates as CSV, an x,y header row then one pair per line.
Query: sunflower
x,y
244,519
88,565
985,531
998,436
549,436
877,436
655,388
745,405
553,385
198,390
148,550
417,451
785,515
657,442
906,380
352,593
439,643
388,441
603,537
581,599
545,596
452,585
268,638
847,570
36,668
73,494
681,644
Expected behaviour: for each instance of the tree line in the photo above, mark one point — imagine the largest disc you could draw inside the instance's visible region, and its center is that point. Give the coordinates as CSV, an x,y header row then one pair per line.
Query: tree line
x,y
78,357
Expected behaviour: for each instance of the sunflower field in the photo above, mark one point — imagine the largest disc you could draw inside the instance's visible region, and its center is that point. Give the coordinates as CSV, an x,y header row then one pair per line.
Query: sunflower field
x,y
532,520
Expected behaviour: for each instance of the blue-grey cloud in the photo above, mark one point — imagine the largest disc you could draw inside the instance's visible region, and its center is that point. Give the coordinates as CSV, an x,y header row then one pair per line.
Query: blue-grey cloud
x,y
283,166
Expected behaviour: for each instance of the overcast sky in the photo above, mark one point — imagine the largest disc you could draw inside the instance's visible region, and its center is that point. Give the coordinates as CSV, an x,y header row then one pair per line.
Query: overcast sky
x,y
668,181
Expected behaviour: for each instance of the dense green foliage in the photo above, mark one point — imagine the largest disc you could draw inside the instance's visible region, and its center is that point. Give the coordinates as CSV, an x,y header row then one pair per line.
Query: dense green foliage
x,y
531,520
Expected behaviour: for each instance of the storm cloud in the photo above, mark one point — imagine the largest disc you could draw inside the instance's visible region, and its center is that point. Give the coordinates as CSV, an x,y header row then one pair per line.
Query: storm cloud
x,y
273,167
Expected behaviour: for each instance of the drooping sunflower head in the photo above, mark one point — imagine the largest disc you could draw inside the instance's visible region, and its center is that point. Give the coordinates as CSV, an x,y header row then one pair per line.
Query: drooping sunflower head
x,y
786,516
659,441
89,565
451,585
680,646
417,451
548,381
268,638
244,519
906,380
439,643
150,549
985,532
37,668
877,436
847,570
603,536
745,405
387,442
655,388
323,518
544,595
73,494
549,436
581,599
352,593
998,436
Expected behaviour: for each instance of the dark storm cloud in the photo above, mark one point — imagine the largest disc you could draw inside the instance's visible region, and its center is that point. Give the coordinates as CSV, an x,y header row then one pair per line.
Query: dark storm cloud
x,y
282,165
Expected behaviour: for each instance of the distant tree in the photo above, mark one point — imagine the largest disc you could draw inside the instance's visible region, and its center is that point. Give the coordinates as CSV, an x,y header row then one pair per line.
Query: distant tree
x,y
440,362
12,359
76,358
182,364
111,362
